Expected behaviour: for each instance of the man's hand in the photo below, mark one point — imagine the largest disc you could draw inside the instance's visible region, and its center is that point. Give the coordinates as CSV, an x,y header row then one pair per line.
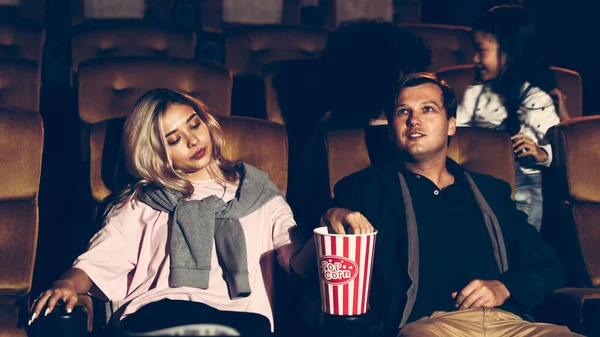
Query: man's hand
x,y
342,221
480,293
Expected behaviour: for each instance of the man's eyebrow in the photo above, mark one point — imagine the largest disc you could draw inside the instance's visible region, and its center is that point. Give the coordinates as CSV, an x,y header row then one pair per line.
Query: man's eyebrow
x,y
432,102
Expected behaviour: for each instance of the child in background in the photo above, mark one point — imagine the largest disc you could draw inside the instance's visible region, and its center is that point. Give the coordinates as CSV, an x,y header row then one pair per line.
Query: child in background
x,y
514,96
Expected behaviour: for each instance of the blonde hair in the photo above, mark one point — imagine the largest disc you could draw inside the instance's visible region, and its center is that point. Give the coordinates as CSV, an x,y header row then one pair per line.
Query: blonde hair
x,y
145,146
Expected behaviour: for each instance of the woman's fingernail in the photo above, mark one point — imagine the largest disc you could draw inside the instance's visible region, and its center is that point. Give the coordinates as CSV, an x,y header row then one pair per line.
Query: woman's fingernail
x,y
32,318
47,312
69,310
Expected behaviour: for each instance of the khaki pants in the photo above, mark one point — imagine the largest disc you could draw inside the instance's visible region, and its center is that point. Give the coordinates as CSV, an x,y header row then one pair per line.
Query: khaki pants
x,y
484,322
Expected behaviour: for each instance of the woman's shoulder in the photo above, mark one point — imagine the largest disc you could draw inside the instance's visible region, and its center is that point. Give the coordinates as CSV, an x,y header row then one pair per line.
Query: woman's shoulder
x,y
130,211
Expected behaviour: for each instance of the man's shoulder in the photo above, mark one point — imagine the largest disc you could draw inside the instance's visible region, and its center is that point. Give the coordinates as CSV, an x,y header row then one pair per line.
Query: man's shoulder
x,y
490,186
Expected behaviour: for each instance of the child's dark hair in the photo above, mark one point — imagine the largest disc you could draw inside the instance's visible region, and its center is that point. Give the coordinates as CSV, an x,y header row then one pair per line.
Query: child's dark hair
x,y
516,35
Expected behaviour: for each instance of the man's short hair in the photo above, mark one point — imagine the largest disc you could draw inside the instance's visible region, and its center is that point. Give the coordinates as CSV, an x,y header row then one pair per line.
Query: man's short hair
x,y
416,79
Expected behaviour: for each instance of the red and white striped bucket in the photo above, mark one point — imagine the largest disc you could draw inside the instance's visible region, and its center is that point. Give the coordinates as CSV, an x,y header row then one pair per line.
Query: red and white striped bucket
x,y
345,265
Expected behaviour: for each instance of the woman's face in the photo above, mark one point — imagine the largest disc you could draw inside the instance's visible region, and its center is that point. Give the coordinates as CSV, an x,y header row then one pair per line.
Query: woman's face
x,y
188,141
489,61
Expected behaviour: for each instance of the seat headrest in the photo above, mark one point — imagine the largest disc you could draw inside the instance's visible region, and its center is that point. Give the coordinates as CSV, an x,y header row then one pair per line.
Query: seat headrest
x,y
116,38
21,38
249,48
109,88
577,147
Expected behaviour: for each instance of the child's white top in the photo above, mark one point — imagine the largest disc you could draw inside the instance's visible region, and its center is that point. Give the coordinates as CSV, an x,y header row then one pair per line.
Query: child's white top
x,y
481,107
128,259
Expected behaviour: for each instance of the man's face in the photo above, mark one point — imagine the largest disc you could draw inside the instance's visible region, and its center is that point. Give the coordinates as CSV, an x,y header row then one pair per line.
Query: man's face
x,y
420,125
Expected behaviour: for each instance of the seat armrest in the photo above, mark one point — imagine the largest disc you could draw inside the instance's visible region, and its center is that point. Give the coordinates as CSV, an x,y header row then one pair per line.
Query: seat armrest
x,y
61,323
576,308
590,314
85,301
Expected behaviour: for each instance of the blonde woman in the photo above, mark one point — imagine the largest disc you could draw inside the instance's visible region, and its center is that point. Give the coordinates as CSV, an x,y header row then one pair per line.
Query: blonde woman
x,y
183,245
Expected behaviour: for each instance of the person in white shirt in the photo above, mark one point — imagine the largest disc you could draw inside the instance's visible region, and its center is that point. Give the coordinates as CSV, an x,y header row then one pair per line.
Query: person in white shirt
x,y
512,94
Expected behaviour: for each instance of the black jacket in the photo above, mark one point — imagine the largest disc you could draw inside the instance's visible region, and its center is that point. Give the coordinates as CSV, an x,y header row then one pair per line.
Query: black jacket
x,y
533,269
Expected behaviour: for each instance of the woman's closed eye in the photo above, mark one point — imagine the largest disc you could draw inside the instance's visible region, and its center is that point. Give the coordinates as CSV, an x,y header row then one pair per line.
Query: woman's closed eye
x,y
195,126
174,142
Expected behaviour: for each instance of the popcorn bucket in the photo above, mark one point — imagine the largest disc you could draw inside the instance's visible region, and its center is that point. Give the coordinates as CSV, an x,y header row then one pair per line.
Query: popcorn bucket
x,y
345,265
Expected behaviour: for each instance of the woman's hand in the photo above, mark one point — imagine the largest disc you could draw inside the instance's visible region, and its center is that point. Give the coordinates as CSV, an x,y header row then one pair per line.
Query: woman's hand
x,y
524,146
560,99
62,290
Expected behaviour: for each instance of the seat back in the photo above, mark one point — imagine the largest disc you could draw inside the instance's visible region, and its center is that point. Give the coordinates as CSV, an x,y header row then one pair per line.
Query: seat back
x,y
249,48
154,10
337,11
21,145
450,45
109,87
459,78
260,143
407,12
577,147
20,84
479,150
398,11
26,9
568,81
117,38
21,38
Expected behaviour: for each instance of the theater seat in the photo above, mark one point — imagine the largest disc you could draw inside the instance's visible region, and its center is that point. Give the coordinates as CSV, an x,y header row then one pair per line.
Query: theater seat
x,y
21,145
251,47
259,143
25,9
109,87
117,38
577,158
568,81
21,38
450,45
479,150
407,12
154,10
459,78
398,11
20,84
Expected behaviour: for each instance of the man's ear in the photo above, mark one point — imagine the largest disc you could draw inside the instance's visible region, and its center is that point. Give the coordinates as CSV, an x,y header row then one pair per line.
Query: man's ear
x,y
452,126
